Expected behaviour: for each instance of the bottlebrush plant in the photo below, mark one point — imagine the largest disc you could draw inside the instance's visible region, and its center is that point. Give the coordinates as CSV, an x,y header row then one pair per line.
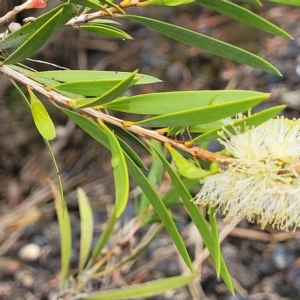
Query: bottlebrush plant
x,y
256,145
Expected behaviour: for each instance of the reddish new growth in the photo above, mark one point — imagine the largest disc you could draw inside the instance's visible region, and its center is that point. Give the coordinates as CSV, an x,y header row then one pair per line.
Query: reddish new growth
x,y
37,4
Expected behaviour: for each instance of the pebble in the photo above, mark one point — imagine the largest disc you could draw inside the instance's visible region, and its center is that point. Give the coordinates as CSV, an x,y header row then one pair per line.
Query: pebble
x,y
281,258
30,252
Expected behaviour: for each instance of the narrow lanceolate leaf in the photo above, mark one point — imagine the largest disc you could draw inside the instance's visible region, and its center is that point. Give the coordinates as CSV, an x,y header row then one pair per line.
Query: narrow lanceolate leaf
x,y
171,102
113,93
97,133
96,5
171,199
244,15
198,219
160,209
105,235
138,291
87,88
106,30
91,4
61,190
120,171
154,177
110,3
17,38
86,228
207,43
132,154
128,135
287,2
103,21
65,238
41,117
201,115
36,33
164,2
249,122
215,235
253,1
84,75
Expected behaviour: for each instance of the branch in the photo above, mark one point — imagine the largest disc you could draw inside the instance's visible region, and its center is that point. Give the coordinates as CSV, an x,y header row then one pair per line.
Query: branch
x,y
98,14
17,9
74,21
138,130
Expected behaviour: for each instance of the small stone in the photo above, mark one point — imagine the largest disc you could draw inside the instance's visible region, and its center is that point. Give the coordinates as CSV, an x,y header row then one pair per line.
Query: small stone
x,y
30,252
281,257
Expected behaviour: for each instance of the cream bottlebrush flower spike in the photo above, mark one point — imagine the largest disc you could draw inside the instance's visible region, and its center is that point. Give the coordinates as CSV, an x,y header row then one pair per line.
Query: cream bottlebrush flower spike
x,y
263,182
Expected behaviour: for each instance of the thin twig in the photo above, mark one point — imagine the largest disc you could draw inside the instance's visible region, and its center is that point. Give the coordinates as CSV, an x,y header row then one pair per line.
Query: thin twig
x,y
98,14
17,9
140,131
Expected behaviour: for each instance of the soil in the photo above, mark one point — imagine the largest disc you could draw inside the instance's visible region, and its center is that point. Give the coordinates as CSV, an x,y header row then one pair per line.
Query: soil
x,y
264,264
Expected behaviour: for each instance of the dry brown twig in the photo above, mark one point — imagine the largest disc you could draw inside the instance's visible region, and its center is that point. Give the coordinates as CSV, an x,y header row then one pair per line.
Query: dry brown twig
x,y
140,131
62,100
17,9
74,21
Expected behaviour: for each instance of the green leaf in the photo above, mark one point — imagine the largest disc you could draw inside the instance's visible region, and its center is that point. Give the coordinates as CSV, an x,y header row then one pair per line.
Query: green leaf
x,y
244,15
41,117
27,101
215,239
84,75
32,36
202,115
21,68
142,290
110,95
160,209
132,154
154,177
89,126
106,30
103,21
197,218
86,228
95,4
91,4
253,1
17,38
65,239
105,235
87,87
111,4
207,43
185,167
120,171
165,2
97,133
171,102
128,135
287,2
172,196
249,122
